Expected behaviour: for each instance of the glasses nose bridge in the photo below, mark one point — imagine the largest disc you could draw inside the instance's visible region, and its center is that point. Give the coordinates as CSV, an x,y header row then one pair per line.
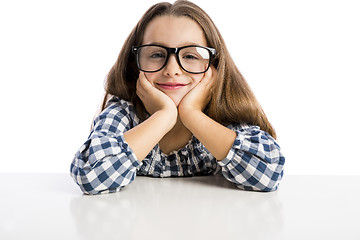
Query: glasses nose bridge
x,y
174,51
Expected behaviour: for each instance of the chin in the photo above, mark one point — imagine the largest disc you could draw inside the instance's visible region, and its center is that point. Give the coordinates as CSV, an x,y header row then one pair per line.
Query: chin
x,y
176,100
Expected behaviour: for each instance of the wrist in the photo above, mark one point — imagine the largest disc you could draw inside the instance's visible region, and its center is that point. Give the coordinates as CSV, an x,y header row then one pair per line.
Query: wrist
x,y
168,116
188,115
186,110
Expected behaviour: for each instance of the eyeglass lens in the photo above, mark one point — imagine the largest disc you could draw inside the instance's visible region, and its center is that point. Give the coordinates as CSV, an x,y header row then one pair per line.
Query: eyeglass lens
x,y
192,59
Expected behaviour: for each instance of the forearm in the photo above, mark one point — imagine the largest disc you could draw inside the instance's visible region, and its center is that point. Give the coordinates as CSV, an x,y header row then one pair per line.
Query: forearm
x,y
146,135
217,138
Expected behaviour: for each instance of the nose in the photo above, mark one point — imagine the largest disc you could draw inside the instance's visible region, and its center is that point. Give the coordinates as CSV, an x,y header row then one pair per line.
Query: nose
x,y
172,66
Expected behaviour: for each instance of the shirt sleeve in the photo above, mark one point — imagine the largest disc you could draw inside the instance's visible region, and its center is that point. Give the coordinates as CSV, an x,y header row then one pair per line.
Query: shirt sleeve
x,y
255,161
105,163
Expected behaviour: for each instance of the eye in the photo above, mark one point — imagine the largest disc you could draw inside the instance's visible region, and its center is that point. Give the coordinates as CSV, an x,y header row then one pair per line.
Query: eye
x,y
190,57
157,55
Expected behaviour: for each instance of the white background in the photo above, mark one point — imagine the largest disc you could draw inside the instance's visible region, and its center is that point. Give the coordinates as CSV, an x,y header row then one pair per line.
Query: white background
x,y
301,58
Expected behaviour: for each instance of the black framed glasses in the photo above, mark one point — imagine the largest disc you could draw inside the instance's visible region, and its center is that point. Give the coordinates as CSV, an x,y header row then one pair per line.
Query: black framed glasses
x,y
192,59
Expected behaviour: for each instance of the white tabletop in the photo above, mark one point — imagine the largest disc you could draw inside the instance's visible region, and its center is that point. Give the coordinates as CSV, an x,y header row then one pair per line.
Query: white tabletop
x,y
51,206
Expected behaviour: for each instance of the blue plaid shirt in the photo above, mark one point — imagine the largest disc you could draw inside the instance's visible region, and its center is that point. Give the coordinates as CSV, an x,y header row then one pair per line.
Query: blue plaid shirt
x,y
105,163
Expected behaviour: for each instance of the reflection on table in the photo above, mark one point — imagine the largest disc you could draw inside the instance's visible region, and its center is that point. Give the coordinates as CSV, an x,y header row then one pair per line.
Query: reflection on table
x,y
51,206
200,207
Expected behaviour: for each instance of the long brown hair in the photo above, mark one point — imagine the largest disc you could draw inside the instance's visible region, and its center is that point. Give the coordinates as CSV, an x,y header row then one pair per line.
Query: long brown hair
x,y
232,99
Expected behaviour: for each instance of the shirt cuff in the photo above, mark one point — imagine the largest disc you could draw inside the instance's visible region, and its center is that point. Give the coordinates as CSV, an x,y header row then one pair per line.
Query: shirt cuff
x,y
235,147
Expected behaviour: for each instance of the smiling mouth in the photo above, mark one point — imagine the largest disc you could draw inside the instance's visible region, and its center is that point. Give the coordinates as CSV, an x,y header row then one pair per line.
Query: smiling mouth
x,y
171,86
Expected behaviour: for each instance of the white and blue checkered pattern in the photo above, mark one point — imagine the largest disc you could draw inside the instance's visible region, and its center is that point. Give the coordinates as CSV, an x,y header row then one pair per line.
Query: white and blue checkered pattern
x,y
105,163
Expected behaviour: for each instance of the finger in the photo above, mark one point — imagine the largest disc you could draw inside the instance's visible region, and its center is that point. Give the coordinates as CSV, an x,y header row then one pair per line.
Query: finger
x,y
138,83
142,84
141,78
207,80
208,76
139,95
213,79
145,83
140,92
139,88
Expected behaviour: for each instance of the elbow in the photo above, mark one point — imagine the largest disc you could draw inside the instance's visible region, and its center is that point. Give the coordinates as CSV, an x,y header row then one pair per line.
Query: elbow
x,y
269,188
81,178
97,181
264,178
259,186
253,174
268,178
105,174
268,182
90,186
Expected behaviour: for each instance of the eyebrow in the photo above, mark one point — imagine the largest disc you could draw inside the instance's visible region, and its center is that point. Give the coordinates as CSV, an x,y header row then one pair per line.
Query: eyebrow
x,y
181,45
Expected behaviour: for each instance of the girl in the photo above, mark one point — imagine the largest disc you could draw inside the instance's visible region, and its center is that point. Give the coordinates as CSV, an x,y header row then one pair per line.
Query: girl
x,y
176,105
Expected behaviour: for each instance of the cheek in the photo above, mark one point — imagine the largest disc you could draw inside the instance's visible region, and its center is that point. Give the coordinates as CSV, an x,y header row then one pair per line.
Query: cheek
x,y
151,77
197,78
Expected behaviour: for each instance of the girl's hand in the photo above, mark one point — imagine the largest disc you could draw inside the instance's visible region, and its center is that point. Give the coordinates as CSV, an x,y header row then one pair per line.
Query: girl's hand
x,y
199,96
153,99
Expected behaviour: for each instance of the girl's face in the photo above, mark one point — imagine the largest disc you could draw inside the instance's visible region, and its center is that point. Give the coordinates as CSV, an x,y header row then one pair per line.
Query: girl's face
x,y
171,31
